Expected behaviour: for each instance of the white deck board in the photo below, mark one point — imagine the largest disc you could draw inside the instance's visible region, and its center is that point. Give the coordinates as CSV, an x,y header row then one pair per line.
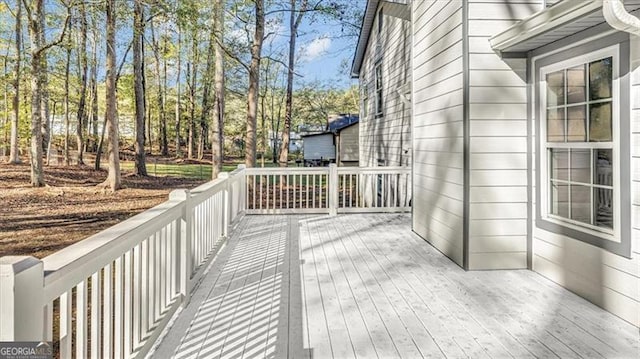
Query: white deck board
x,y
365,286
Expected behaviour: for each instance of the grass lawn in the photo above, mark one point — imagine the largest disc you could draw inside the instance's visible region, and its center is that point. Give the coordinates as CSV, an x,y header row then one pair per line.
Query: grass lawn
x,y
200,171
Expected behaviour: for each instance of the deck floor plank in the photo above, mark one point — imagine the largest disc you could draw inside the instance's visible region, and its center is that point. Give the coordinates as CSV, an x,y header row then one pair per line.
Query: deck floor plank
x,y
365,286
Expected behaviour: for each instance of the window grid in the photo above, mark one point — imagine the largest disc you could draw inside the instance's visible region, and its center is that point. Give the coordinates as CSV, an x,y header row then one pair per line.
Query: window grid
x,y
570,146
379,87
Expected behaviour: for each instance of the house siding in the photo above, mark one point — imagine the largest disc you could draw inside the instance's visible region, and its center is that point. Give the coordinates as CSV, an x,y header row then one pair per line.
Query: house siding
x,y
497,140
387,137
319,147
437,126
349,144
606,279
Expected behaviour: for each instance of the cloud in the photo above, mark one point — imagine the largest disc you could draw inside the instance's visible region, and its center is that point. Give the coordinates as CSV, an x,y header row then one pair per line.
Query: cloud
x,y
316,48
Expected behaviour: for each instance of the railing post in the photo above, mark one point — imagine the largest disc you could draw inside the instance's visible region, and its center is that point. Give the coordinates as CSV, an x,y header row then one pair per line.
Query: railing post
x,y
21,299
333,189
185,244
226,203
242,206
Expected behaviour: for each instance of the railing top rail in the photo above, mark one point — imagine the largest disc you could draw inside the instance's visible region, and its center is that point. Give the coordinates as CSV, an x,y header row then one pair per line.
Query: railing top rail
x,y
374,170
82,259
206,190
286,170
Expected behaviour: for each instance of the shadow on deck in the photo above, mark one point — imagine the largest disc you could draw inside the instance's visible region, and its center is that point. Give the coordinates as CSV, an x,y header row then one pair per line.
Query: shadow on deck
x,y
366,286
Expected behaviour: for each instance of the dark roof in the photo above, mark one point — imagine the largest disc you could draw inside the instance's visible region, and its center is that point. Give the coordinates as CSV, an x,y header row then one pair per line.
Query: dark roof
x,y
317,134
341,122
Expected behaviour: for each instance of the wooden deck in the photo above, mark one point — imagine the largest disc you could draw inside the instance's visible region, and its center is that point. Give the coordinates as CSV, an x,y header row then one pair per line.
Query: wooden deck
x,y
365,286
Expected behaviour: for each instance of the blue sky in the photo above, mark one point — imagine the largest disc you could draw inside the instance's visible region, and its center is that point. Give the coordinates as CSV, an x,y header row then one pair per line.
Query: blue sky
x,y
321,50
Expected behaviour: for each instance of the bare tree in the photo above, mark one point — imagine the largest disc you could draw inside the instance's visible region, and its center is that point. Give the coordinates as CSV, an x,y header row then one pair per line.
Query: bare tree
x,y
39,94
254,85
164,145
66,103
113,178
83,65
217,140
140,167
178,100
294,22
14,156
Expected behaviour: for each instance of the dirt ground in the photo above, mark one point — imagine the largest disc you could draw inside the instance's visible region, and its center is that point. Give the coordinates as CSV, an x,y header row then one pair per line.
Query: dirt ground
x,y
40,221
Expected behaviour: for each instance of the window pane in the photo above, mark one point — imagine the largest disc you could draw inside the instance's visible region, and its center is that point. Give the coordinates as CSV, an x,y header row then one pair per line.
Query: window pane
x,y
600,122
603,174
577,124
559,163
576,85
555,125
581,166
600,79
560,199
581,203
555,89
603,211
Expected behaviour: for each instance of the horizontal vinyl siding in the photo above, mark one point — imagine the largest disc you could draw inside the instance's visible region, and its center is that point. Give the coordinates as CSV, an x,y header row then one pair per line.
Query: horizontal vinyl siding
x,y
388,137
349,139
437,126
498,141
606,279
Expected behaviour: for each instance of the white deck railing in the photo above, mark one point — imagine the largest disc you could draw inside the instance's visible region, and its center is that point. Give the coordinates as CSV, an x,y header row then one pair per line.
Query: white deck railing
x,y
112,294
328,190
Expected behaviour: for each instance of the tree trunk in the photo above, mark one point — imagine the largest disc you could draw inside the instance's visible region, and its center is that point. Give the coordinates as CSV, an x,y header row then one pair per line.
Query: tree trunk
x,y
178,107
207,78
82,113
217,140
113,179
37,84
294,23
14,155
254,86
66,106
164,146
44,84
140,167
94,92
192,96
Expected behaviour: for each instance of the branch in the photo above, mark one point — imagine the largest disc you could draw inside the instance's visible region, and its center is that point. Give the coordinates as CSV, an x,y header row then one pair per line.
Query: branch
x,y
60,39
233,56
123,61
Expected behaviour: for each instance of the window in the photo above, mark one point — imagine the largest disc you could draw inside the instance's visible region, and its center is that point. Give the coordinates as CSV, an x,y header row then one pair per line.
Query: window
x,y
364,94
379,100
579,147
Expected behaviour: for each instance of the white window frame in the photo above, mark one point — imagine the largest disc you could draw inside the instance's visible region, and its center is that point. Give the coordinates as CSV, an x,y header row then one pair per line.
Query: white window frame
x,y
364,93
601,232
379,91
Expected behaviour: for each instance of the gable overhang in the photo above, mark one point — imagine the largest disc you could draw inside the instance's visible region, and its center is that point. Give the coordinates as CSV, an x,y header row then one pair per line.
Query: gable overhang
x,y
400,9
564,19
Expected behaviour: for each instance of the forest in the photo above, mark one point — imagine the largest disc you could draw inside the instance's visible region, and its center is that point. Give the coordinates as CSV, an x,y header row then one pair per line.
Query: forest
x,y
98,81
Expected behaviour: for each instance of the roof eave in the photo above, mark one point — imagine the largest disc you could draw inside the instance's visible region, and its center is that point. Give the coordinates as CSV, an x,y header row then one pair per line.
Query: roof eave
x,y
542,22
363,39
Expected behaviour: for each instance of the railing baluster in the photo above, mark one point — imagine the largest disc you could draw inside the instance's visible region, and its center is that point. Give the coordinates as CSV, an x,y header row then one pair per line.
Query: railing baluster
x,y
96,314
107,295
157,293
163,268
127,322
137,293
152,281
117,310
144,293
48,322
81,319
65,324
